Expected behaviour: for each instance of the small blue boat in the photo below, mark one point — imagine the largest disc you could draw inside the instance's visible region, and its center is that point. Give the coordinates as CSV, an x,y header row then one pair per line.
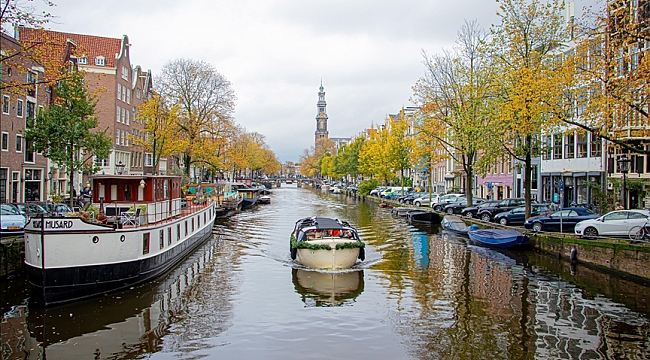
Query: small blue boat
x,y
498,238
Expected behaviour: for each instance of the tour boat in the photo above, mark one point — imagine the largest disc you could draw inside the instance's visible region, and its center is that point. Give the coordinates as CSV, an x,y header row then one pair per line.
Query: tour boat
x,y
325,243
264,199
141,232
498,238
327,288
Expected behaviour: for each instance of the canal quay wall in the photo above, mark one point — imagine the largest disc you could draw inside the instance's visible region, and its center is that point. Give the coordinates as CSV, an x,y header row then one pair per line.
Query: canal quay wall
x,y
618,256
12,255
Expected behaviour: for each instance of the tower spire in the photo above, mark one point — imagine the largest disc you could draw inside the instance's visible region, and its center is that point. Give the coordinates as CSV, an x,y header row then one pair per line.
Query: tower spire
x,y
321,117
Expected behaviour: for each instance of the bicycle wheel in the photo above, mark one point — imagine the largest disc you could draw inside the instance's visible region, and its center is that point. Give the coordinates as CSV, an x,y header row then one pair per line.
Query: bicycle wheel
x,y
637,233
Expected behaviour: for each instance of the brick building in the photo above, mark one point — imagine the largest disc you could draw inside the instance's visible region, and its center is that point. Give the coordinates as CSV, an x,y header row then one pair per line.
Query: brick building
x,y
120,88
23,173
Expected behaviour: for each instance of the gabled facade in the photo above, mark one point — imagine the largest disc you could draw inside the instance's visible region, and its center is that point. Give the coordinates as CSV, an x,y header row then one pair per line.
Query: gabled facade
x,y
120,88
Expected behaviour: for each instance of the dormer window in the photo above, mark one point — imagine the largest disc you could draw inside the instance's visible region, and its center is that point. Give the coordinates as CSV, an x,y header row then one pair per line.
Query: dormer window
x,y
100,61
82,61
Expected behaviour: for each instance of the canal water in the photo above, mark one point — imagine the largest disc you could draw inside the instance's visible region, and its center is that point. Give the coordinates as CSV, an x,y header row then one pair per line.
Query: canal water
x,y
420,294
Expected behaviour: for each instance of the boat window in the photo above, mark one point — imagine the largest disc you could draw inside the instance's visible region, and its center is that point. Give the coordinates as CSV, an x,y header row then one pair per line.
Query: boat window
x,y
185,227
169,235
145,243
161,235
127,192
166,187
178,232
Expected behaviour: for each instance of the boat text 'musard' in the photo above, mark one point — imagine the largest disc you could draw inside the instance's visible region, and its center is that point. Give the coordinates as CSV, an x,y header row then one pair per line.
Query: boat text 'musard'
x,y
53,224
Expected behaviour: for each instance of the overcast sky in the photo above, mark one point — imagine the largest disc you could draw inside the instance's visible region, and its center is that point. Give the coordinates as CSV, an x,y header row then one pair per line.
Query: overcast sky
x,y
368,53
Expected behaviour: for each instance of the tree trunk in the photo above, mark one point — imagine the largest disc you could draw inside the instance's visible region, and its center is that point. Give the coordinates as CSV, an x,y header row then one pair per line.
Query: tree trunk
x,y
469,170
528,173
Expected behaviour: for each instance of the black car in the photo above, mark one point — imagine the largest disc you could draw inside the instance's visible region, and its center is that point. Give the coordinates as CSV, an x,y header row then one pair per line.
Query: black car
x,y
470,212
487,213
457,207
517,216
568,217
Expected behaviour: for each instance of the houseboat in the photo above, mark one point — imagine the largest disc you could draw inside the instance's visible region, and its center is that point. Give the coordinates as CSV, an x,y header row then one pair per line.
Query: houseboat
x,y
140,232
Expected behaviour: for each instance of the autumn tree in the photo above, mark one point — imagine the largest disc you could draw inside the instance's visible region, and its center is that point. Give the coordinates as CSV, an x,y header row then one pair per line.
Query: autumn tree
x,y
524,45
160,127
206,102
374,154
67,131
400,145
454,99
348,157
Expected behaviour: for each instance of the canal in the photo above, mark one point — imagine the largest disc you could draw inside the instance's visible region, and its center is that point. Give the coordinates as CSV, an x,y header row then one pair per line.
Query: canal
x,y
420,294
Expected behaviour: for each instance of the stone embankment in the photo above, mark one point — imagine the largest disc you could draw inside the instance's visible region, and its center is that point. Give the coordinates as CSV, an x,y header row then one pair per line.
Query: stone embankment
x,y
611,255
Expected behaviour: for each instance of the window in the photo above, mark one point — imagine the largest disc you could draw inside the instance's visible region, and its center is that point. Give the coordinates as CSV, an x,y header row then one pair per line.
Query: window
x,y
569,146
161,234
119,91
145,243
123,111
5,141
138,93
125,73
31,110
186,228
19,108
102,162
582,144
117,137
178,232
128,113
5,104
82,60
192,224
128,95
596,145
31,79
123,93
148,159
119,111
557,146
169,235
101,61
19,143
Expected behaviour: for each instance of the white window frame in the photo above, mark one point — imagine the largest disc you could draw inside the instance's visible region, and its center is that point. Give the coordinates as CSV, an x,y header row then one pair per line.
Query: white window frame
x,y
128,95
4,146
6,104
128,113
100,61
148,159
123,115
117,137
119,91
138,93
123,93
19,143
82,60
20,108
118,113
125,73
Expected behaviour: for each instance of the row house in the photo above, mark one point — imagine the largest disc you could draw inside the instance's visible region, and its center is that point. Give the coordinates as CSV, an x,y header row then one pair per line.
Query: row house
x,y
23,172
120,88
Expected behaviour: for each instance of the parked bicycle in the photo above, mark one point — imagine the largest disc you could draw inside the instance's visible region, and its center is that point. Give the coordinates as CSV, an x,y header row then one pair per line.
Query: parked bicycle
x,y
640,233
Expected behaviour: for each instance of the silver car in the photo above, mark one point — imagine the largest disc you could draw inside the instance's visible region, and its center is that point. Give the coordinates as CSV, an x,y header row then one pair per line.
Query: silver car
x,y
12,222
614,223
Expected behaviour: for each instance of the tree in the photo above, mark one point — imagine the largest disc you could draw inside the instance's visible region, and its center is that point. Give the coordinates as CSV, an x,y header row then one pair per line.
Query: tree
x,y
400,145
161,127
67,131
206,102
454,96
525,45
348,157
374,154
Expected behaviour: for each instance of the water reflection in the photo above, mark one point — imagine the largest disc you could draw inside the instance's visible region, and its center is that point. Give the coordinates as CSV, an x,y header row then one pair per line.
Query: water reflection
x,y
325,289
121,325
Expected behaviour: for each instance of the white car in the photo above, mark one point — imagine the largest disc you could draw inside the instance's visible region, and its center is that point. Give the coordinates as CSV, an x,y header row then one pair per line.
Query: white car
x,y
12,222
614,223
424,200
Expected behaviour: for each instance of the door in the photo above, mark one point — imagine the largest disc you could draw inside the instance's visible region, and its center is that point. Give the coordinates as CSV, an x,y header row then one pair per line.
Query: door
x,y
614,223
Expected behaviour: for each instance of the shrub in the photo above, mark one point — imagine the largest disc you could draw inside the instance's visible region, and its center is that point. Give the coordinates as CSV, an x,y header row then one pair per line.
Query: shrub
x,y
366,186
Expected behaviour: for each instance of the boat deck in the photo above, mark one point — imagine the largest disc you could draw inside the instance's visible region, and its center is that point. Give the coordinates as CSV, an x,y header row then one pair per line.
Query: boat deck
x,y
185,211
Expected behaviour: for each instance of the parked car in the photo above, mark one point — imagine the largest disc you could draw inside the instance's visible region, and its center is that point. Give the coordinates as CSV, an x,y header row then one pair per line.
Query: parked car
x,y
517,216
12,222
567,217
457,206
444,200
470,212
393,195
60,210
377,191
31,209
614,223
423,200
487,213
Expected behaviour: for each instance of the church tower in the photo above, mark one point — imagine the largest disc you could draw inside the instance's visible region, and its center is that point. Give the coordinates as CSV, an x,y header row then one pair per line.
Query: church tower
x,y
321,117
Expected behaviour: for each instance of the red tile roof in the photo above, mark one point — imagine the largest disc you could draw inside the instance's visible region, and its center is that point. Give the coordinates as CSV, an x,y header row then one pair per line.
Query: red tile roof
x,y
92,46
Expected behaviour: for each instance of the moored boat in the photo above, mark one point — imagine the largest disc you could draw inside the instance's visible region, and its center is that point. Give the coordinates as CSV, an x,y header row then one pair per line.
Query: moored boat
x,y
454,224
427,217
325,243
498,238
264,199
73,258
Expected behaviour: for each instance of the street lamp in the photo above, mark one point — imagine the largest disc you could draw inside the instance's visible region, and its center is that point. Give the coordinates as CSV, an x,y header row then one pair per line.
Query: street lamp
x,y
624,167
119,168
